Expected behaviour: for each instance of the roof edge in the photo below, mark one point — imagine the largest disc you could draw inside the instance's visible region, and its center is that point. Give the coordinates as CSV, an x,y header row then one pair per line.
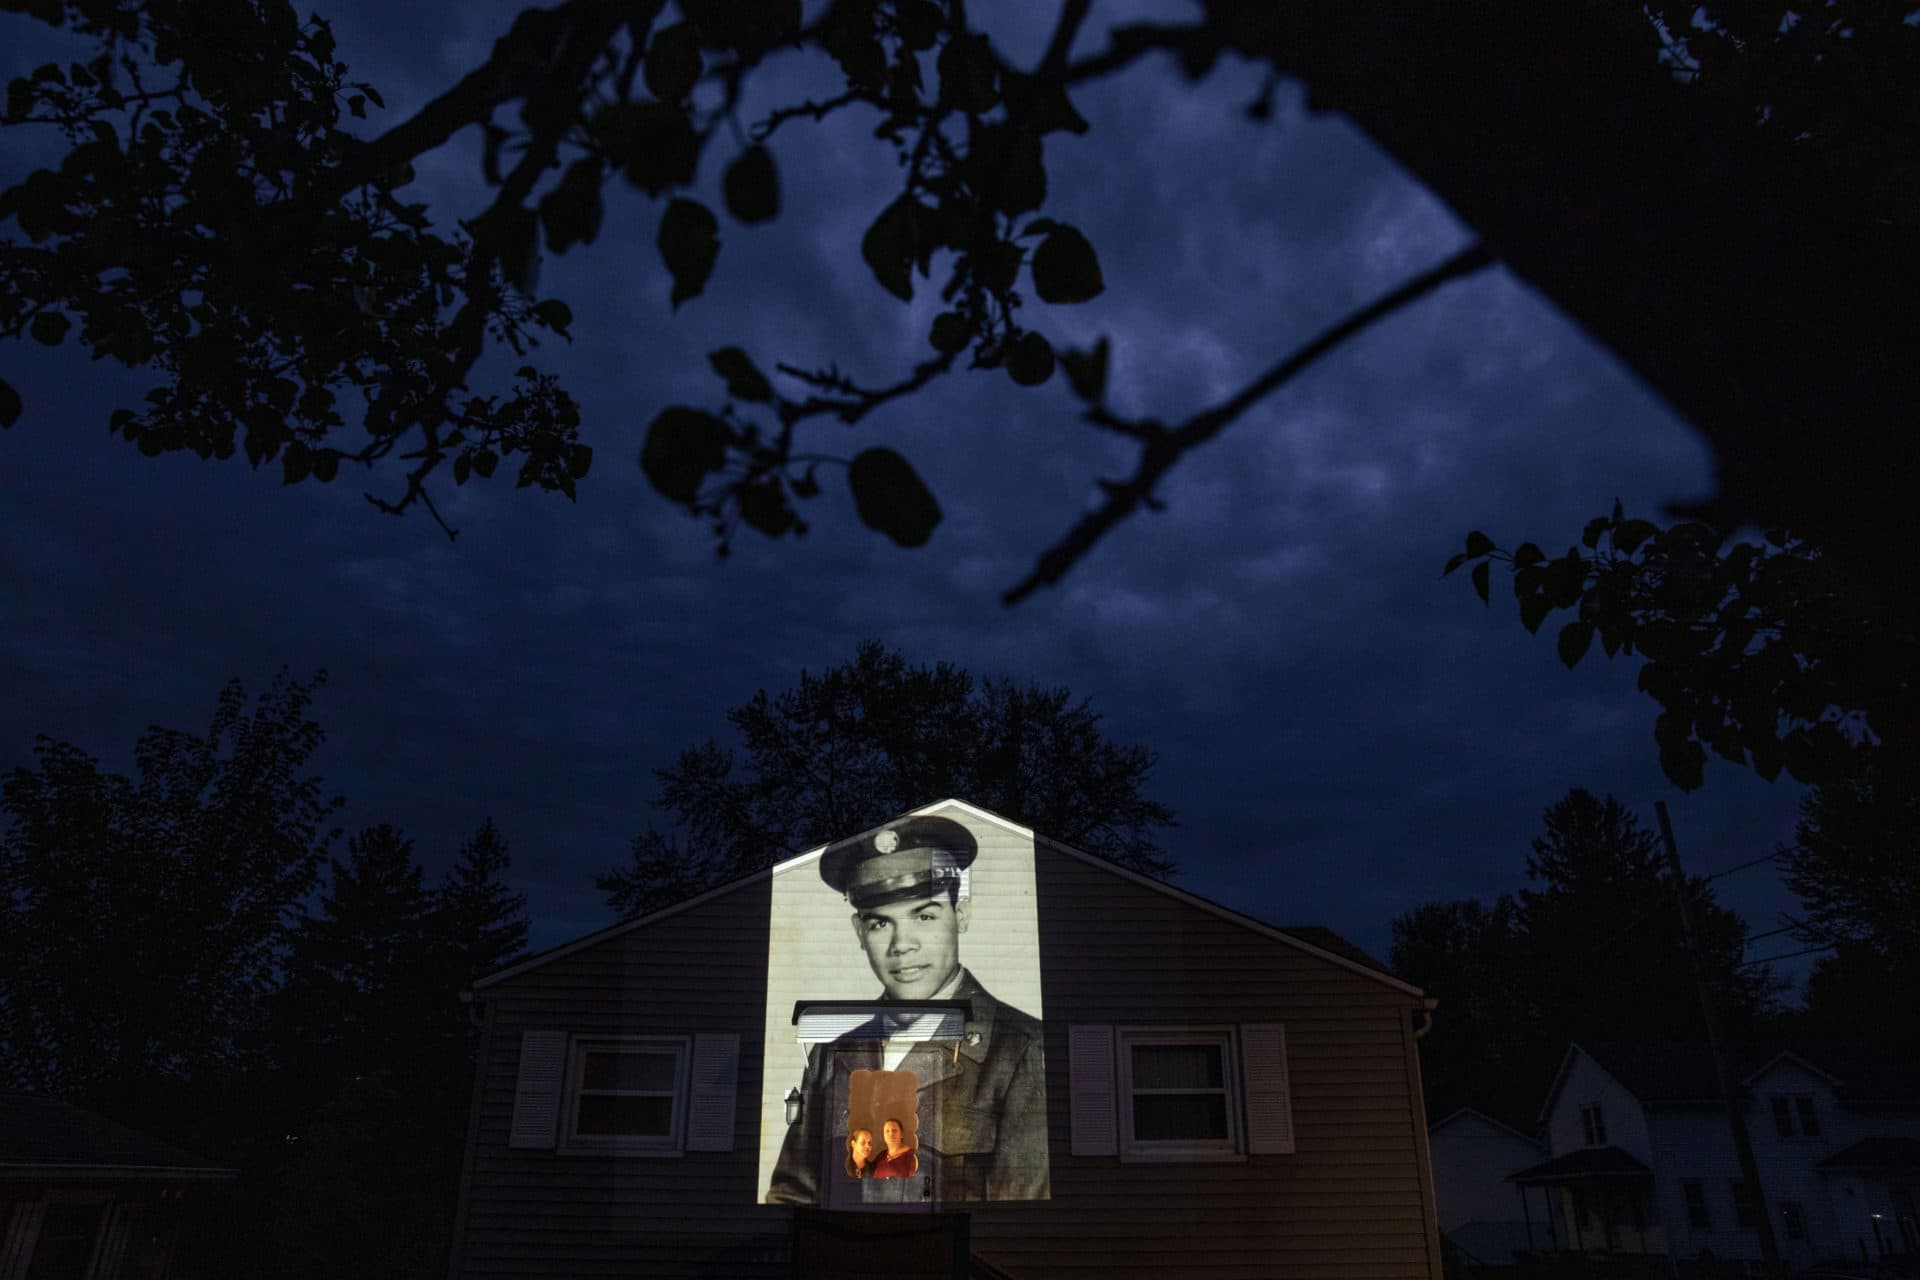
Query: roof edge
x,y
1191,899
1233,917
1458,1112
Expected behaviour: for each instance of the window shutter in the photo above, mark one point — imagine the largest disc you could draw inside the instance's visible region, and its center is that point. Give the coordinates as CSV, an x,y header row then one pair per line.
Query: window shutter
x,y
536,1093
1263,1051
710,1098
1090,1082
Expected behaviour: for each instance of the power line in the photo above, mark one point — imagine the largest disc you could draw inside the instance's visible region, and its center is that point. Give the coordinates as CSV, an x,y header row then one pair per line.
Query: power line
x,y
1785,928
1778,853
1748,964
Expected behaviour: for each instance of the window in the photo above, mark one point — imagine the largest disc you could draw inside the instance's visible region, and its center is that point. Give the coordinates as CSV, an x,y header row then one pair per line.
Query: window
x,y
68,1235
1788,1108
626,1094
1744,1212
1594,1125
1795,1219
1696,1194
1178,1094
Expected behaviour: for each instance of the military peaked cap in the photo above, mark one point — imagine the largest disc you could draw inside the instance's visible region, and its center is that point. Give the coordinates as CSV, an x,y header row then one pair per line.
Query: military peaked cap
x,y
912,858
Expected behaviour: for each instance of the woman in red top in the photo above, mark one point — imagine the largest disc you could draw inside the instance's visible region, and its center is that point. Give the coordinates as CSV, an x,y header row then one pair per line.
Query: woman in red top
x,y
900,1160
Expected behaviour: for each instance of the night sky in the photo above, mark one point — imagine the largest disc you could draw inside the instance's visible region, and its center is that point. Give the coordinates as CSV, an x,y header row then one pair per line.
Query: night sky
x,y
1343,734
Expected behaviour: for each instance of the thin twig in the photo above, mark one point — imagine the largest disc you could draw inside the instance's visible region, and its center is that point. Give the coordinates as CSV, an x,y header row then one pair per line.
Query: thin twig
x,y
1159,453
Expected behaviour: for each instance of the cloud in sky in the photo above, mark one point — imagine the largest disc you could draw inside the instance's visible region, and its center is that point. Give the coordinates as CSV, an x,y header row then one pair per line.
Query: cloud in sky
x,y
1343,734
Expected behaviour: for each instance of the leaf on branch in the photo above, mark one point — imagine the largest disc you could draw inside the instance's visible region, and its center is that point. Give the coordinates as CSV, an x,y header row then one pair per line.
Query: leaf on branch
x,y
49,327
1575,639
689,243
918,22
1065,268
968,76
513,235
1527,554
1030,359
996,264
752,186
950,332
673,62
1632,534
1087,372
683,447
1478,543
572,211
1684,764
1052,110
887,249
744,380
554,314
1480,586
891,497
764,506
654,142
1006,168
10,405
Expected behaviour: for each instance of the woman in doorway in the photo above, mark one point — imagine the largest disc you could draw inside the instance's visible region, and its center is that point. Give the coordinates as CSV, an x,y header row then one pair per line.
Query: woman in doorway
x,y
900,1160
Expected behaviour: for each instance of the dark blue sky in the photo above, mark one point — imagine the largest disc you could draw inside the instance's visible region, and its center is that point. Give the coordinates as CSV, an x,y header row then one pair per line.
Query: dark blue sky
x,y
1343,734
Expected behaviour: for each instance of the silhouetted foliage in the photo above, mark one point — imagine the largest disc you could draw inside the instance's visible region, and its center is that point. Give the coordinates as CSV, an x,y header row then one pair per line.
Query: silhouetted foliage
x,y
1854,868
872,738
1591,948
142,916
218,218
1770,654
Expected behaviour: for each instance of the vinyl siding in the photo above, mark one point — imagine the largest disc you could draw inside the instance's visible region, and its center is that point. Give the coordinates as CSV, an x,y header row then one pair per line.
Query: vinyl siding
x,y
1354,1199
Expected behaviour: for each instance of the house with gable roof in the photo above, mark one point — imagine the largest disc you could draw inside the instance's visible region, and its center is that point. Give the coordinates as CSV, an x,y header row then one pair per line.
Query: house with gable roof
x,y
1641,1159
85,1198
948,1046
1472,1155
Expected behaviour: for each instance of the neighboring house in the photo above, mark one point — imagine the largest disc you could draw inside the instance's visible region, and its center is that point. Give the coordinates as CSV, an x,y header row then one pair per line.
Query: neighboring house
x,y
83,1198
1643,1162
1480,1211
1089,1072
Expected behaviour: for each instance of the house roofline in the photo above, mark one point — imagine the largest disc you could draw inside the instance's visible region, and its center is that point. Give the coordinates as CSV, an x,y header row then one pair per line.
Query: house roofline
x,y
29,1170
1191,899
1566,1064
1768,1065
1459,1112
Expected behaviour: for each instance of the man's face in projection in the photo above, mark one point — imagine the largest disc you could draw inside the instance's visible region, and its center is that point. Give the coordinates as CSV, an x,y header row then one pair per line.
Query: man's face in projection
x,y
913,946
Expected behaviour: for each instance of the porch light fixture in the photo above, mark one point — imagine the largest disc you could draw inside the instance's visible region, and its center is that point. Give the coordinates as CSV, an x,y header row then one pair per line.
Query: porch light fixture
x,y
793,1110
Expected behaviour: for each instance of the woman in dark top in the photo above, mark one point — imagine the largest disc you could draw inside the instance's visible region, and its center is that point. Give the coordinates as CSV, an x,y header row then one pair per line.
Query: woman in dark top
x,y
900,1160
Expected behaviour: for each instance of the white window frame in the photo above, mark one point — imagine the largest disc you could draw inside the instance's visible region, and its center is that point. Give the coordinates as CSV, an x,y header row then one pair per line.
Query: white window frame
x,y
572,1140
1139,1150
1593,1124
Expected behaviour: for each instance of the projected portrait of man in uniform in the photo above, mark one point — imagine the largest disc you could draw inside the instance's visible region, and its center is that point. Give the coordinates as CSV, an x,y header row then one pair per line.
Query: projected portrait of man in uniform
x,y
976,1128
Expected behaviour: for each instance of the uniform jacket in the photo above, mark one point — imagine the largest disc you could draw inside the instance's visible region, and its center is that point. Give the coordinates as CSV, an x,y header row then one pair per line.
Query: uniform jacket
x,y
982,1112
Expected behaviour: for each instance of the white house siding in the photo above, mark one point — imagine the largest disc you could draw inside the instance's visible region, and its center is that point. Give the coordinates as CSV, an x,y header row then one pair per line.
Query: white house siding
x,y
1472,1156
1586,1083
1695,1143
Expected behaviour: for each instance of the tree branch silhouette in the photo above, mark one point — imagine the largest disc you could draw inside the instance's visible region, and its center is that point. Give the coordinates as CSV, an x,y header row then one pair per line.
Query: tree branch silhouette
x,y
1161,448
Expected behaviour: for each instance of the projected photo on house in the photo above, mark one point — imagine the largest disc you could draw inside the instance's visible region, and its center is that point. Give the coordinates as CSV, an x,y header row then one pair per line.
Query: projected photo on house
x,y
904,1057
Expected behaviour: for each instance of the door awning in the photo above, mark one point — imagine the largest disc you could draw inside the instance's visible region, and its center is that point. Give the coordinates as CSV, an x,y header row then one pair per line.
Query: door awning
x,y
879,1021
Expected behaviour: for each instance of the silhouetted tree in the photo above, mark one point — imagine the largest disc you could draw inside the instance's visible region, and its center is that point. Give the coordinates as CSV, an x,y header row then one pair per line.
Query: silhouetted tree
x,y
875,737
476,920
142,917
1592,949
363,987
1465,954
1854,868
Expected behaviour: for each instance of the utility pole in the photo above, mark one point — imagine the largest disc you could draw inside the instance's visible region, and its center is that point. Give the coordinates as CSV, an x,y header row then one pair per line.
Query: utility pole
x,y
1736,1113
